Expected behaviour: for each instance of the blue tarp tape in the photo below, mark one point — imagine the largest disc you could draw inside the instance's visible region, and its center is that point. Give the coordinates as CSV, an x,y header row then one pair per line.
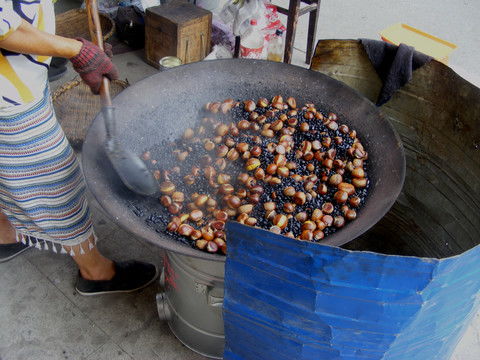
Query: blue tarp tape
x,y
290,299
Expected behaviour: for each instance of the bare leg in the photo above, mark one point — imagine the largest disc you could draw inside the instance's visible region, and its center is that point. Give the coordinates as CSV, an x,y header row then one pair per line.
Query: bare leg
x,y
7,232
92,265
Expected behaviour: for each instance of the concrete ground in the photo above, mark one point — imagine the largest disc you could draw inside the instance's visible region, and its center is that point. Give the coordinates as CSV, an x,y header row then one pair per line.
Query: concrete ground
x,y
42,317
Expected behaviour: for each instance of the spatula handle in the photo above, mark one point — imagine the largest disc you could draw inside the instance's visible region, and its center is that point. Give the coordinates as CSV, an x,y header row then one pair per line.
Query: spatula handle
x,y
95,29
97,37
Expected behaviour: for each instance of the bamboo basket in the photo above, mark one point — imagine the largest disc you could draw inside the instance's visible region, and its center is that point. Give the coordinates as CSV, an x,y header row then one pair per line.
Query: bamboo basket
x,y
74,23
76,106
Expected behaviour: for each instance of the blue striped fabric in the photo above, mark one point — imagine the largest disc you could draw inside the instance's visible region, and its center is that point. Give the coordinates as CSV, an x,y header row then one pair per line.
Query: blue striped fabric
x,y
42,190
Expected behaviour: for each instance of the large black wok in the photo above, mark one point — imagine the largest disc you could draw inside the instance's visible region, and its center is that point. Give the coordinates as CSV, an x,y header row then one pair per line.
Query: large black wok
x,y
163,105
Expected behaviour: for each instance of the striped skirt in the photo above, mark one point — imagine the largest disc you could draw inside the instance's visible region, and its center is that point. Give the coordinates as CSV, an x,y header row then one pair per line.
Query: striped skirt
x,y
42,190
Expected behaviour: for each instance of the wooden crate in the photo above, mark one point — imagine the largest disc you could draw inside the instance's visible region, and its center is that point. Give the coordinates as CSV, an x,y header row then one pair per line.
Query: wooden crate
x,y
178,29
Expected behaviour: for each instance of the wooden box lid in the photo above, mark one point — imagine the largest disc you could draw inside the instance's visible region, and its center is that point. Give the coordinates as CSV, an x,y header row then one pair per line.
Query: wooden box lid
x,y
178,12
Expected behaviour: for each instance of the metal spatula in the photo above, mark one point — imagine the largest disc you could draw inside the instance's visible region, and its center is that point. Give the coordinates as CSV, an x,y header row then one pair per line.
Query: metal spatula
x,y
129,167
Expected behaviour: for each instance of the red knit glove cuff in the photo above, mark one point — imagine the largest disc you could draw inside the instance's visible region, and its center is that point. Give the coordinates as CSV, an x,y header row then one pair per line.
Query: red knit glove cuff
x,y
92,64
87,55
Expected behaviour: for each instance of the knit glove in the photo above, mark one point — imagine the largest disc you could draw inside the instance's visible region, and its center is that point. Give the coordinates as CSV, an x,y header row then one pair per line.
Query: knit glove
x,y
93,64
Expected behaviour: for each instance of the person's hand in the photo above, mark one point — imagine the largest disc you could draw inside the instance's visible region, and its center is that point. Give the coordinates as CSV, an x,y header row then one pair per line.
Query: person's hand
x,y
93,64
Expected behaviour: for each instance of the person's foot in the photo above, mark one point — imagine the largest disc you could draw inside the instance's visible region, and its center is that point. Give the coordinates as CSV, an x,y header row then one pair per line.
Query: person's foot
x,y
9,251
129,276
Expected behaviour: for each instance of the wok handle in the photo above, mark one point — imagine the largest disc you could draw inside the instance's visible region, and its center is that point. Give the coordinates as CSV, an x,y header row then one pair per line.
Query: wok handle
x,y
95,29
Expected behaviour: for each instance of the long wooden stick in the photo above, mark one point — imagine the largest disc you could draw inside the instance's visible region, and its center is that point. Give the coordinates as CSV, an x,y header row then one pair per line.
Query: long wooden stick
x,y
95,29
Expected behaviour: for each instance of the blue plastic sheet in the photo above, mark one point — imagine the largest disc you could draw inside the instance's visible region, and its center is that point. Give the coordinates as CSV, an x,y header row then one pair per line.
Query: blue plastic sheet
x,y
290,299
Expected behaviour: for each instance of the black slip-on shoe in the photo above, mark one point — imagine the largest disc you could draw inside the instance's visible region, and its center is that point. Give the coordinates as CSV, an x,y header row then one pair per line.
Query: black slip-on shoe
x,y
129,276
9,251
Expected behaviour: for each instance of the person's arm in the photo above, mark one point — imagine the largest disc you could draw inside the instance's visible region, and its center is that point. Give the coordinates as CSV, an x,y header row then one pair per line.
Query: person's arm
x,y
27,39
87,59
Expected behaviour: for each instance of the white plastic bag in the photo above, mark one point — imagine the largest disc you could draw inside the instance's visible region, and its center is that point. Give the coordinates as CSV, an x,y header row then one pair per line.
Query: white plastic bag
x,y
145,4
222,34
219,52
238,13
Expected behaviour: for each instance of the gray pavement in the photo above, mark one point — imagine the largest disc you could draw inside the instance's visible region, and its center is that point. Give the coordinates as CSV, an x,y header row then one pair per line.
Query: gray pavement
x,y
42,317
